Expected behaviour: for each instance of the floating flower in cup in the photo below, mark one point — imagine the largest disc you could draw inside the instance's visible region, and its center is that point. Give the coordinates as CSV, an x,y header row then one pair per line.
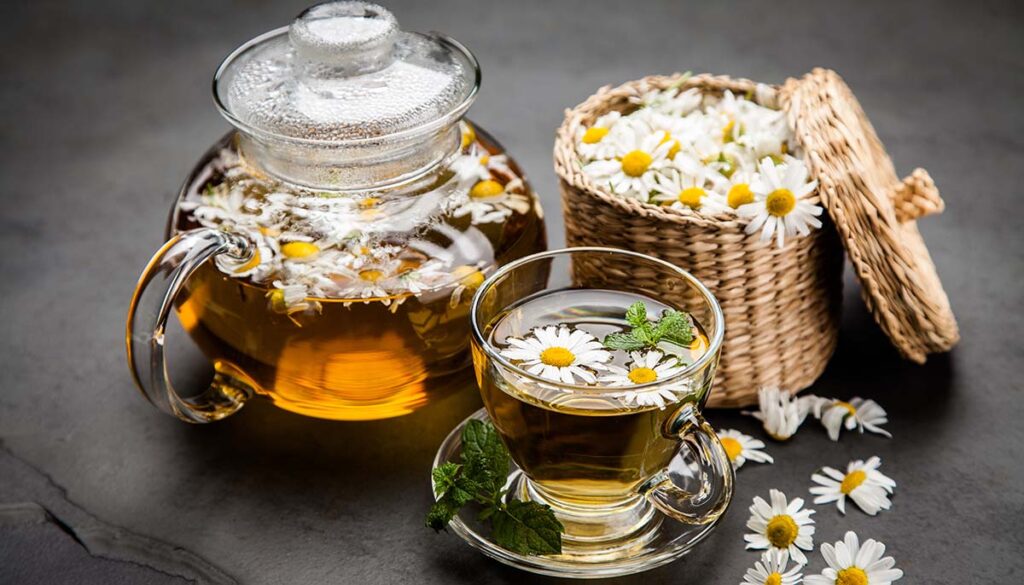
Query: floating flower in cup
x,y
781,526
640,154
687,189
851,563
781,209
862,482
858,413
740,448
558,353
779,412
771,570
646,368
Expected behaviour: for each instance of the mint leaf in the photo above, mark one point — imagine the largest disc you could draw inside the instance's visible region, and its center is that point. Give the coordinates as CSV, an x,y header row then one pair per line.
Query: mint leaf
x,y
674,326
442,512
623,341
484,454
636,314
527,528
444,477
523,527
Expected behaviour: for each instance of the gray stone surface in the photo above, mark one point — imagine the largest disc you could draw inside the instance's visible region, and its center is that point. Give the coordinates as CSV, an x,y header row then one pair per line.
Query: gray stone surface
x,y
105,107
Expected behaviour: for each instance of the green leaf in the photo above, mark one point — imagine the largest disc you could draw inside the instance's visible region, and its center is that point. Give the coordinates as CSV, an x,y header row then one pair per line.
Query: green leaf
x,y
484,455
636,314
442,512
527,528
623,341
674,326
444,477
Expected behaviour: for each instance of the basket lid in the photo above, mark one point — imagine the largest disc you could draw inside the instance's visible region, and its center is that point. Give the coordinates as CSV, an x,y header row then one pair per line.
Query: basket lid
x,y
875,213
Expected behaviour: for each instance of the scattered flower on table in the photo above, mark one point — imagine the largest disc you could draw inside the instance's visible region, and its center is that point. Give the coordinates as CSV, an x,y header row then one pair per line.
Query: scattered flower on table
x,y
862,482
771,570
852,563
779,412
561,354
740,448
781,526
858,413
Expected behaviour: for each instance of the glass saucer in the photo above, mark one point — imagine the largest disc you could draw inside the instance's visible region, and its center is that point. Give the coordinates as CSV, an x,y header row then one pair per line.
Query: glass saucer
x,y
669,541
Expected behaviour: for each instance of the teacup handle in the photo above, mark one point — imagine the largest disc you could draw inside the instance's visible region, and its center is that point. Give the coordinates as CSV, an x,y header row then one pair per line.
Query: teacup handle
x,y
151,305
708,480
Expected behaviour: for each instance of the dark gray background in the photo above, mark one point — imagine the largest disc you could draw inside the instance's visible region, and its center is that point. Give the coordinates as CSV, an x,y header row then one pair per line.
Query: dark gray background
x,y
105,106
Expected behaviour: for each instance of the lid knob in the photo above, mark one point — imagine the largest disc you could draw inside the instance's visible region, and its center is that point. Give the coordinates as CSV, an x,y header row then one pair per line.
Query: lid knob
x,y
353,37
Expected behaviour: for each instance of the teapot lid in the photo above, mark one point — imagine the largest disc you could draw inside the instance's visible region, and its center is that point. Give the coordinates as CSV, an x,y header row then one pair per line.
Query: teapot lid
x,y
344,72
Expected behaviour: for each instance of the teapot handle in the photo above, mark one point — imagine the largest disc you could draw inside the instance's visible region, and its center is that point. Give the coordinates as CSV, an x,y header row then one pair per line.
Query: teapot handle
x,y
697,491
151,305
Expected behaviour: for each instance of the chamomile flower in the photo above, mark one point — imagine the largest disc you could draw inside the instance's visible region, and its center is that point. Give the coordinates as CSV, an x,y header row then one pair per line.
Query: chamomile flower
x,y
645,368
779,412
486,203
862,482
851,563
781,526
858,413
740,448
561,354
687,190
467,279
591,142
771,570
639,155
671,101
781,210
736,188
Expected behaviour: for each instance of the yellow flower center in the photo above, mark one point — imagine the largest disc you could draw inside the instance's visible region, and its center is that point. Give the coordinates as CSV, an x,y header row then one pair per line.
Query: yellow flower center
x,y
852,576
785,148
773,579
849,407
299,249
852,481
557,356
636,162
642,375
780,202
594,135
468,276
727,131
484,160
252,263
370,275
782,531
468,135
369,202
732,447
739,194
486,188
674,149
691,197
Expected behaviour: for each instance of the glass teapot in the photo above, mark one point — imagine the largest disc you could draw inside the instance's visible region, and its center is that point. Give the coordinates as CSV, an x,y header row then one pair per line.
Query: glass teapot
x,y
325,252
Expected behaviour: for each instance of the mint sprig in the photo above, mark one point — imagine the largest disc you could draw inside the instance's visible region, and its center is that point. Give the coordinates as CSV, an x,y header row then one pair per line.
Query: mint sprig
x,y
673,326
526,528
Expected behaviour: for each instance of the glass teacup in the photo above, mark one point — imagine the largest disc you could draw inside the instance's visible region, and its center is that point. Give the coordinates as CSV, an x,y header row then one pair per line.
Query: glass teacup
x,y
606,447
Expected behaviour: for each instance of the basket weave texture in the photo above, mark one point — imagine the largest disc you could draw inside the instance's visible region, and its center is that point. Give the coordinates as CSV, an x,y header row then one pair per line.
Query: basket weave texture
x,y
781,307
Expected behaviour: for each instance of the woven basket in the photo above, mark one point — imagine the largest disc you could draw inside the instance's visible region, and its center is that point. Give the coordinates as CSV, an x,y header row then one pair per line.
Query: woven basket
x,y
781,306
